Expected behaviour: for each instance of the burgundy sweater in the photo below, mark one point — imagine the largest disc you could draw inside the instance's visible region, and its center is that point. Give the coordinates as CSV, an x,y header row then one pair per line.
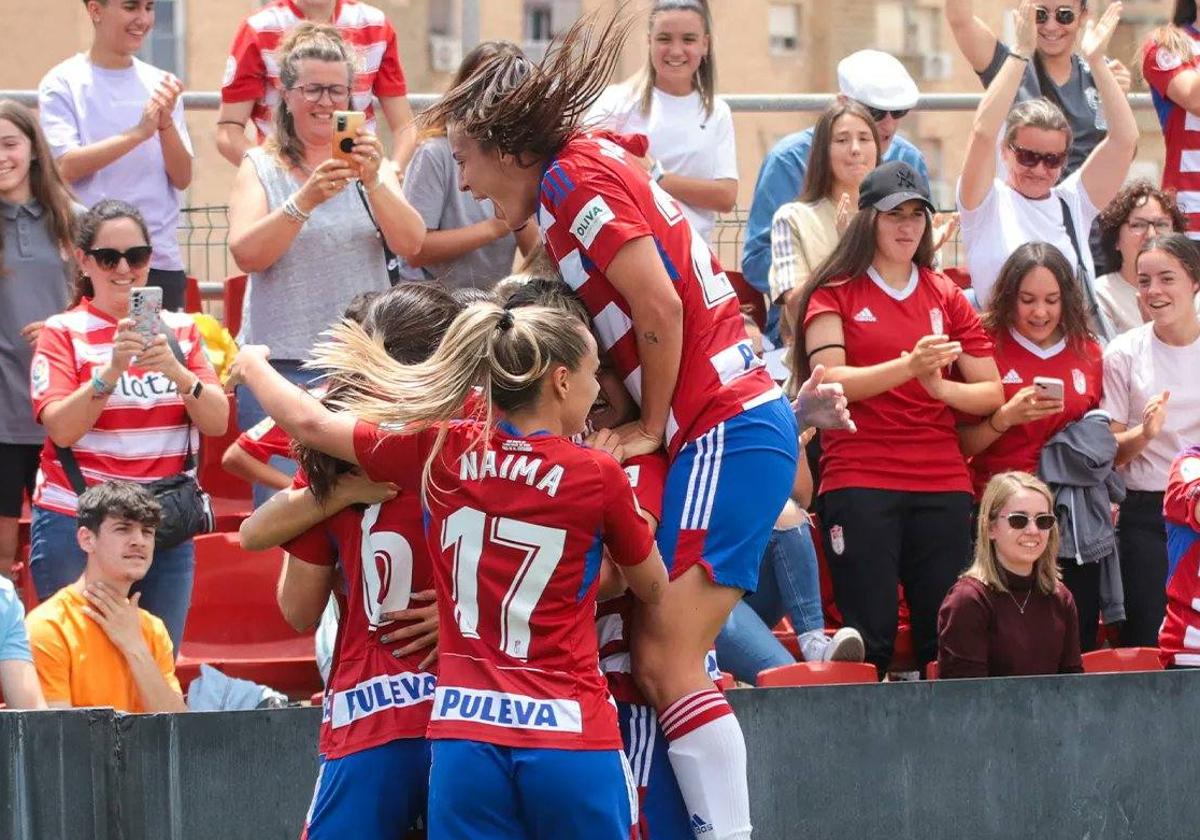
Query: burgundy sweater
x,y
983,633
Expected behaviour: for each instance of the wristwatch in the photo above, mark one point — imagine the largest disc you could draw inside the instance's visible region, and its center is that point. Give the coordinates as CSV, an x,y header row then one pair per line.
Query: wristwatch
x,y
196,390
657,172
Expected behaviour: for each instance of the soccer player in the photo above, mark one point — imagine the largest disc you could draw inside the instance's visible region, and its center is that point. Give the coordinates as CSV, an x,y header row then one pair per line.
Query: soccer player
x,y
1177,642
518,518
669,320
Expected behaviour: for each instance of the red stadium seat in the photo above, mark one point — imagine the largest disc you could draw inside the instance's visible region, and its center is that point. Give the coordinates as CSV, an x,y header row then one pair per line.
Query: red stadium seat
x,y
726,682
818,673
223,487
235,625
234,298
750,297
1112,660
786,636
931,670
192,301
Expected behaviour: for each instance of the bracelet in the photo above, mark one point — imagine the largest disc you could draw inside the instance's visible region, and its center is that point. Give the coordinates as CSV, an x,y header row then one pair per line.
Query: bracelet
x,y
993,425
100,388
657,173
292,210
1018,56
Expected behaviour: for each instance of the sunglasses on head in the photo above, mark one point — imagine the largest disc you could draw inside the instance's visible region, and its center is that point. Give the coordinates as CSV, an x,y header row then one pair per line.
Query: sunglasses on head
x,y
110,258
1063,15
1043,521
1029,158
879,115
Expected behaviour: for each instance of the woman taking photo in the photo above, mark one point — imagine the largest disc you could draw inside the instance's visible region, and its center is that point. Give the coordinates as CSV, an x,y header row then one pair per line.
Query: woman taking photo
x,y
672,100
1029,204
1009,615
299,225
896,494
1152,394
36,218
125,407
805,231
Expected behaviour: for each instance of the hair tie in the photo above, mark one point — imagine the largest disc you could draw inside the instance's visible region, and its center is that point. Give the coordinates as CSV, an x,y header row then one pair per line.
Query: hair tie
x,y
506,321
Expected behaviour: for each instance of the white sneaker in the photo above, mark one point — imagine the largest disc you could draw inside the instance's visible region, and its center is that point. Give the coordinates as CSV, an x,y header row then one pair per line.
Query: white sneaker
x,y
845,646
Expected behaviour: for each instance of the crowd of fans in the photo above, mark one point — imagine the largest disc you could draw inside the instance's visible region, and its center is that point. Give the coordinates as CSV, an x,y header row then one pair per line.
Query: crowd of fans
x,y
1006,467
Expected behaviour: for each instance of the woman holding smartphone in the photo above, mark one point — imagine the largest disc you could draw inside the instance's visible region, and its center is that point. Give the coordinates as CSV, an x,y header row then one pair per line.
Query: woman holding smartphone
x,y
123,404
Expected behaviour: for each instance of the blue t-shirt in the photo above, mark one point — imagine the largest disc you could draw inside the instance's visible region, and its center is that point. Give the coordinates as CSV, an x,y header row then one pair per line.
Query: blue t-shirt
x,y
779,181
14,643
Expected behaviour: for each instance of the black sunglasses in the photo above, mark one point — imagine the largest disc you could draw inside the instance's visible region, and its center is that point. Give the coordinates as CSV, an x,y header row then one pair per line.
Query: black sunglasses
x,y
1063,15
1029,158
110,258
1043,521
879,115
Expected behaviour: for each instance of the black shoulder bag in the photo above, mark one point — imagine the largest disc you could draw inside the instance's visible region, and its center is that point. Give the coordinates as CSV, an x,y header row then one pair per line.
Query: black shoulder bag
x,y
186,509
1099,323
390,261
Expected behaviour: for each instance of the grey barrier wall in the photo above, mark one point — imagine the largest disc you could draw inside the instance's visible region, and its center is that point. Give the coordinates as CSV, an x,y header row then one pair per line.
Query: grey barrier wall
x,y
1100,757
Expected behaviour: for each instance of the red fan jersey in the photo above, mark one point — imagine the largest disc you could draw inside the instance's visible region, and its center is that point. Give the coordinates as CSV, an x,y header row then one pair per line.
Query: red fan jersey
x,y
595,199
264,439
516,527
373,695
1179,638
1020,361
1180,128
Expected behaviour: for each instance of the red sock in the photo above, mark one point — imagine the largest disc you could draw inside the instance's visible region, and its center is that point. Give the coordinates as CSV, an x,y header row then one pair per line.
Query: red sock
x,y
692,711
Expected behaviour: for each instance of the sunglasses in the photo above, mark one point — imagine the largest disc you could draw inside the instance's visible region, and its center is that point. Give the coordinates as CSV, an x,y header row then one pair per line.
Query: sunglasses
x,y
1063,15
1043,521
879,115
314,93
109,258
1030,159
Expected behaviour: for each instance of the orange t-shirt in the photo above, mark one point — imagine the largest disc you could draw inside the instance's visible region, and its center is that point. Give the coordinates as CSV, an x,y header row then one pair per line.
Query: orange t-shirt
x,y
76,661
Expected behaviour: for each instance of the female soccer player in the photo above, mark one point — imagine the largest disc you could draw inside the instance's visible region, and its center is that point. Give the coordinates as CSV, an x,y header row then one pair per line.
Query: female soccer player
x,y
519,518
669,321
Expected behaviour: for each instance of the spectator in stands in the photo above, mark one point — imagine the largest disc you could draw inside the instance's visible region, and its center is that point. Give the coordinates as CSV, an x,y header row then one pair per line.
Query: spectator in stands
x,y
93,644
1037,321
254,87
36,217
293,224
1138,213
1143,370
673,101
116,407
1172,70
19,687
1178,644
1028,204
845,146
465,244
879,83
1053,70
896,501
1009,614
115,125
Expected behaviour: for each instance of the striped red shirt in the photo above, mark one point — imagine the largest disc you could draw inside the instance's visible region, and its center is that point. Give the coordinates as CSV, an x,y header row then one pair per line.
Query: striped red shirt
x,y
1181,130
142,433
252,68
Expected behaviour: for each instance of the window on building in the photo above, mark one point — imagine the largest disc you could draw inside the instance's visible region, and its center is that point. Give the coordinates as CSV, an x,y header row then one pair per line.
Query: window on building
x,y
783,28
164,46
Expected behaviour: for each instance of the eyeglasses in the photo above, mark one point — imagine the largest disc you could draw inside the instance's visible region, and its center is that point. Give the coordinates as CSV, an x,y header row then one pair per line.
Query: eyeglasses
x,y
314,92
1140,226
1030,159
880,115
1043,521
109,258
1063,15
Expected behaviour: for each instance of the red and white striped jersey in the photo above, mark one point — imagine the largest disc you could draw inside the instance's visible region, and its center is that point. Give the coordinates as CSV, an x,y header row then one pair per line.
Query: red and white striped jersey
x,y
1179,637
142,433
252,68
595,198
1180,128
517,526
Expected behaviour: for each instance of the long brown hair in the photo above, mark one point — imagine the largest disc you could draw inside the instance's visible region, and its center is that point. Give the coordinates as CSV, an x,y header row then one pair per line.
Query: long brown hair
x,y
853,255
1001,311
317,42
818,180
705,77
529,110
1182,248
45,182
483,51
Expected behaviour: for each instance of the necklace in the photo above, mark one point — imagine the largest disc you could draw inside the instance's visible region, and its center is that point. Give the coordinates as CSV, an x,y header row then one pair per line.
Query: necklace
x,y
1021,605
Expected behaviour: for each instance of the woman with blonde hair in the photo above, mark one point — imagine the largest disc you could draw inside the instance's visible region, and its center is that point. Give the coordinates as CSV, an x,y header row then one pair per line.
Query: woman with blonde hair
x,y
1010,614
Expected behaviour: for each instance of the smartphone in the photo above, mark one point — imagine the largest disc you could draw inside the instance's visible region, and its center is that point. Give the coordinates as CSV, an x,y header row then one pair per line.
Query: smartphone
x,y
345,133
1048,387
144,305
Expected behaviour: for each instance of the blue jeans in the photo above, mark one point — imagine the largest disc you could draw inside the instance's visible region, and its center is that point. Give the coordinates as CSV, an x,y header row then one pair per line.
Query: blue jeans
x,y
788,584
250,412
56,560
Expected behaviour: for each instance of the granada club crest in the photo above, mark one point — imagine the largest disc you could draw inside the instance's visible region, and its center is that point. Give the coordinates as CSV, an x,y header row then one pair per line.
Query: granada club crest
x,y
936,323
837,539
1079,381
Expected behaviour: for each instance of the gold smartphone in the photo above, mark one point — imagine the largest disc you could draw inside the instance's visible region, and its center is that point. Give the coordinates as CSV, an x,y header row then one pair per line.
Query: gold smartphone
x,y
345,133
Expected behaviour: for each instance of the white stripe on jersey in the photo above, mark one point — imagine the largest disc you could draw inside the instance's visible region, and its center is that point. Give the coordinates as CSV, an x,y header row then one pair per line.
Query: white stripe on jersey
x,y
571,269
609,628
633,384
611,325
762,399
545,218
617,663
1188,200
129,444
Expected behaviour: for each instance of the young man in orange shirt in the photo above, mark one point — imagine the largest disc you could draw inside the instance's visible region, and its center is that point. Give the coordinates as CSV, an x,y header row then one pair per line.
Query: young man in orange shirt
x,y
92,644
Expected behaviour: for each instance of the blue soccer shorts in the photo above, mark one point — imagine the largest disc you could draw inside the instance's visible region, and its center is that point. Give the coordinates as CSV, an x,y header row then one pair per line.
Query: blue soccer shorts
x,y
374,794
662,814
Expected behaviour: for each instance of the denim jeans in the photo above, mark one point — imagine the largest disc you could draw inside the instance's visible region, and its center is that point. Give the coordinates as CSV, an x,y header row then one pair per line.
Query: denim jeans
x,y
56,560
250,412
788,584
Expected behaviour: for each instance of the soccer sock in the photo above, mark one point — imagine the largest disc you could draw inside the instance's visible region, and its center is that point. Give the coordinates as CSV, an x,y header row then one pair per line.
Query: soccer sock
x,y
708,754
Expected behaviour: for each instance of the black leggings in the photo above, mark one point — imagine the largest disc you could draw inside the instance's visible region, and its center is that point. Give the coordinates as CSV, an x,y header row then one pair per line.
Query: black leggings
x,y
1083,582
1142,542
876,539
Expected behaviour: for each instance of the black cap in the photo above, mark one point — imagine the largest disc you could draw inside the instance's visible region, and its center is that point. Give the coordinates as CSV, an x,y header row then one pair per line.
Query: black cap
x,y
890,185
